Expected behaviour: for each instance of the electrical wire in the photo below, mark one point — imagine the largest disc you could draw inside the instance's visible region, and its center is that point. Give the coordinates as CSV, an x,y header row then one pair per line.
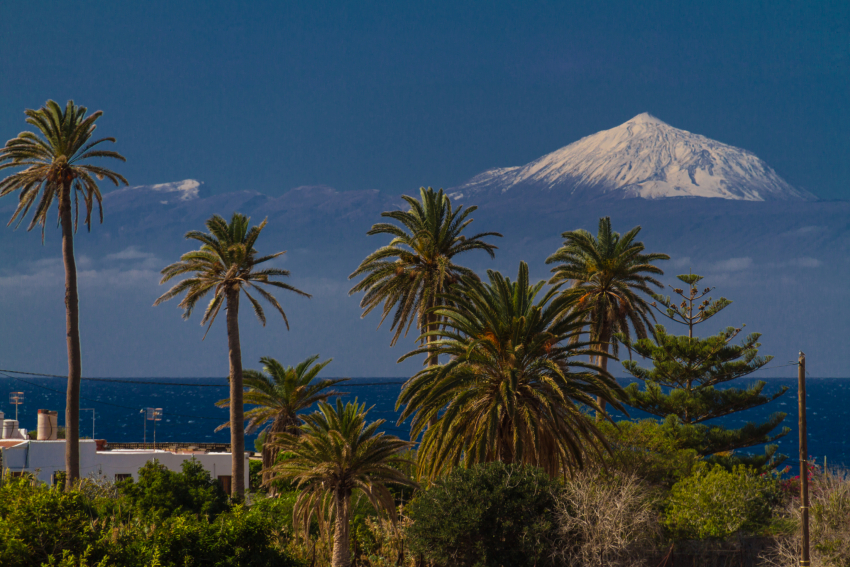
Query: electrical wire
x,y
158,383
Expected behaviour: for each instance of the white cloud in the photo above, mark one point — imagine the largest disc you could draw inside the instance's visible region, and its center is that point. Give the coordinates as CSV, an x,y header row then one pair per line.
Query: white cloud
x,y
681,262
733,265
129,253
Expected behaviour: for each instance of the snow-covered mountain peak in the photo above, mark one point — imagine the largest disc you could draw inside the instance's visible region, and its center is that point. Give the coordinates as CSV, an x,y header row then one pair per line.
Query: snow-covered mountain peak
x,y
643,157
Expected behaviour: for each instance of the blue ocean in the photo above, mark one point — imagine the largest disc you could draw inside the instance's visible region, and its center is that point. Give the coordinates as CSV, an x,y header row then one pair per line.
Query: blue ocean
x,y
114,409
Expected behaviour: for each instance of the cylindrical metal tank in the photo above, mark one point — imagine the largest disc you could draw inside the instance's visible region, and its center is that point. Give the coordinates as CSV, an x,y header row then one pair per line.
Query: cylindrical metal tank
x,y
8,429
47,425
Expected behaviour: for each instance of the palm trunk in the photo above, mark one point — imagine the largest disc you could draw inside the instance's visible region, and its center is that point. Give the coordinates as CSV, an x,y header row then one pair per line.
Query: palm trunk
x,y
72,328
603,364
341,551
270,453
237,419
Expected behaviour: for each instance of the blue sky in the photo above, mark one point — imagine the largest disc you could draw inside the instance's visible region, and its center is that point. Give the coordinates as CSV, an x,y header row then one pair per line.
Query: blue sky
x,y
273,95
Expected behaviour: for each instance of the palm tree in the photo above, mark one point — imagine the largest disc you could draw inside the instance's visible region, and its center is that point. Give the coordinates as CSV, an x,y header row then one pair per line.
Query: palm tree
x,y
57,166
225,265
280,394
607,274
511,387
337,453
417,266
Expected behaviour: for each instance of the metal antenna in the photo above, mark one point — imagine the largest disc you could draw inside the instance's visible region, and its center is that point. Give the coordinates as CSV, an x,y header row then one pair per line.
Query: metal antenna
x,y
16,399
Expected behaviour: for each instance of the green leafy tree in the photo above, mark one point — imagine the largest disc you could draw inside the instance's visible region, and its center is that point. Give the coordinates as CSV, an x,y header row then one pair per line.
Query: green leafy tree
x,y
336,454
715,503
682,384
279,394
492,514
161,493
57,166
513,384
417,266
608,275
226,265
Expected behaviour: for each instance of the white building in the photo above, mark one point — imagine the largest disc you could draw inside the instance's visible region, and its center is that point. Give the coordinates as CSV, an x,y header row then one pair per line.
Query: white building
x,y
45,458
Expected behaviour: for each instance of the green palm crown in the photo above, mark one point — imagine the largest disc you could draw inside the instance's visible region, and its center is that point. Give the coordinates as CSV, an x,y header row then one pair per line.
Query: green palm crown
x,y
607,275
55,162
513,386
337,453
226,263
418,265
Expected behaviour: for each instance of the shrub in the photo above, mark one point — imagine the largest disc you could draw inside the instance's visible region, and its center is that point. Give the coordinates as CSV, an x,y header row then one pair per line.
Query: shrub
x,y
489,515
716,503
37,522
607,520
162,493
829,521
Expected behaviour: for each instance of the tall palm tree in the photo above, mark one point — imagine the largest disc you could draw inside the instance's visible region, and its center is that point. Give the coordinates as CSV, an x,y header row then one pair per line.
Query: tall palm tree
x,y
511,387
410,274
280,394
607,276
57,165
336,454
226,265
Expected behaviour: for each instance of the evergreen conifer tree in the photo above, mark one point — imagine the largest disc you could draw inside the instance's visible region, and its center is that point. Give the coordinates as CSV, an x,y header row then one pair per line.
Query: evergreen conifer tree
x,y
682,384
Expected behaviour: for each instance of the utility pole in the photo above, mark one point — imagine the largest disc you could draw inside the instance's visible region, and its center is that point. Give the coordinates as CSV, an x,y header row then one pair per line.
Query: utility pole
x,y
804,462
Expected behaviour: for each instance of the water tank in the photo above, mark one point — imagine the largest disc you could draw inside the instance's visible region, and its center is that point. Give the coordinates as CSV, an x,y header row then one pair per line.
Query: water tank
x,y
9,429
47,425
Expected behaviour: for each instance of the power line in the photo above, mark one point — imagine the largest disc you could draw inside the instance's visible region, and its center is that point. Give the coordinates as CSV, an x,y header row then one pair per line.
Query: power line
x,y
157,383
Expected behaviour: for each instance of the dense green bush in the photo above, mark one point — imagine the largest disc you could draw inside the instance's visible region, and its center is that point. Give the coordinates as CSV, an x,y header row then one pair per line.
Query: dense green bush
x,y
716,503
161,493
655,452
188,523
37,522
488,515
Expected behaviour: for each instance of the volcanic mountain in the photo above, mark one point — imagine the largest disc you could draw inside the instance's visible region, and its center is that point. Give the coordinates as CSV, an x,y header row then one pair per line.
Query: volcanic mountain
x,y
644,158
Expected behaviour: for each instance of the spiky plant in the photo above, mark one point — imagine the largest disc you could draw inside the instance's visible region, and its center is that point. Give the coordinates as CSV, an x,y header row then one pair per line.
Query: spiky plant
x,y
417,266
337,454
514,381
608,276
279,395
56,162
226,266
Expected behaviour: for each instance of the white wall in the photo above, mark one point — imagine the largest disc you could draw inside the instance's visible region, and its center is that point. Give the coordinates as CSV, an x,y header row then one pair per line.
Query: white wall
x,y
47,457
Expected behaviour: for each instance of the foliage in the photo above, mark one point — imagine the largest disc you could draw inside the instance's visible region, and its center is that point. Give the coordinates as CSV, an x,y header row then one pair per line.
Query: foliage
x,y
37,522
829,521
607,275
335,454
657,453
92,525
424,248
716,503
56,162
279,394
161,493
685,376
491,514
513,383
225,263
606,520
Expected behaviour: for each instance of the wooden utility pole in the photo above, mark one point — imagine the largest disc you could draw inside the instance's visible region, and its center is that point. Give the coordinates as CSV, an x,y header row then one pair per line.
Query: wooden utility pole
x,y
804,463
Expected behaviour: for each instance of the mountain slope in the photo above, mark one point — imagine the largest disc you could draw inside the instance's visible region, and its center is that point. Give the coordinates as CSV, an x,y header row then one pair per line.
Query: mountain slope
x,y
644,158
